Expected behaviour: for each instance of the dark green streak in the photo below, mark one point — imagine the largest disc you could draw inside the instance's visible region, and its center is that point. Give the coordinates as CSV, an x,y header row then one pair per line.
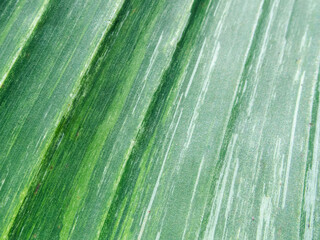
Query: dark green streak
x,y
112,72
310,158
112,226
38,90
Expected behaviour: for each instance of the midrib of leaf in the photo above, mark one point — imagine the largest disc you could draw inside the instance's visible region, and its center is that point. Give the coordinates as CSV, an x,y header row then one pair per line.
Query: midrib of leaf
x,y
19,183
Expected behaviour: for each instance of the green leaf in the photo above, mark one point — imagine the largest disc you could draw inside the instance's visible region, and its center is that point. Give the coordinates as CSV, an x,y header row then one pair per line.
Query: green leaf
x,y
39,90
144,119
18,21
